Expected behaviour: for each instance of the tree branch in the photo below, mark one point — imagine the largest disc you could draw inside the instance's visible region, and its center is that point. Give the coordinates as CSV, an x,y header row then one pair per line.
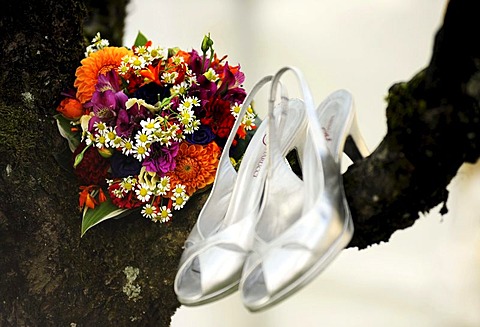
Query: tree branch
x,y
433,123
50,277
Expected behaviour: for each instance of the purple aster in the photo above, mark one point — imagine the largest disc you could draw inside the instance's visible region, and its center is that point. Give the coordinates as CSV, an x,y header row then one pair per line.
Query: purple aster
x,y
161,159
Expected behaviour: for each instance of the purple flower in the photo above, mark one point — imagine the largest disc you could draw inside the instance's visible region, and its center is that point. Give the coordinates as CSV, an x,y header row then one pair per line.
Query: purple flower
x,y
204,90
104,105
161,159
123,166
108,97
195,63
128,120
123,127
236,94
203,135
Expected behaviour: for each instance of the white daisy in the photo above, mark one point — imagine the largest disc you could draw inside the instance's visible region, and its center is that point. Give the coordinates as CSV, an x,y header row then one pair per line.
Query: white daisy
x,y
101,141
169,78
177,60
143,192
140,151
150,125
248,122
179,190
149,211
179,89
143,137
127,184
89,138
123,69
179,201
156,52
127,147
235,109
163,186
164,215
186,115
137,62
100,127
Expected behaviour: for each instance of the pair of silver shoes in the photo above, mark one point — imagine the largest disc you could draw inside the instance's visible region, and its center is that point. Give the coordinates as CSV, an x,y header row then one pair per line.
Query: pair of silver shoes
x,y
264,231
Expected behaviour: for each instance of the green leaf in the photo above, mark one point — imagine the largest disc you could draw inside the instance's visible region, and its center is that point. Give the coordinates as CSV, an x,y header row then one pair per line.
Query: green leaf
x,y
173,51
64,127
140,40
103,211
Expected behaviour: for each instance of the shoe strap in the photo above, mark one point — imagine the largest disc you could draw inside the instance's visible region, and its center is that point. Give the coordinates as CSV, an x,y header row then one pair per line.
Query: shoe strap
x,y
246,103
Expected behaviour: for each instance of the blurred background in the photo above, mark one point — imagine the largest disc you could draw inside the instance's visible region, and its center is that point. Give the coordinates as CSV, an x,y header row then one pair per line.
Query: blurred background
x,y
426,275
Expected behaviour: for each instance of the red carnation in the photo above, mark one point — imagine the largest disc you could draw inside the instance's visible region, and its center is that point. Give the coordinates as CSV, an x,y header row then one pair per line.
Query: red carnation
x,y
93,169
219,117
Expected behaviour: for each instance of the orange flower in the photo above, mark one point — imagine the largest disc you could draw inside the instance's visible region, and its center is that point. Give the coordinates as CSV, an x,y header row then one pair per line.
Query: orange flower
x,y
70,108
87,199
152,73
196,166
100,62
185,55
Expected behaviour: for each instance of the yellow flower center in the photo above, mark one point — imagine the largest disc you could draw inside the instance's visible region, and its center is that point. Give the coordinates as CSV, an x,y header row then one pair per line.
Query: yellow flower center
x,y
179,201
164,214
143,138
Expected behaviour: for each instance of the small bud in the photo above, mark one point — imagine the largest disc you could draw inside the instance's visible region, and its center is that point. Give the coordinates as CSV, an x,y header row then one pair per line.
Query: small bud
x,y
105,152
207,43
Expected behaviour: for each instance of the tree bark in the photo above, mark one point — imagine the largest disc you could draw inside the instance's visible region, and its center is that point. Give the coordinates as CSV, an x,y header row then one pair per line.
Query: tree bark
x,y
433,128
51,277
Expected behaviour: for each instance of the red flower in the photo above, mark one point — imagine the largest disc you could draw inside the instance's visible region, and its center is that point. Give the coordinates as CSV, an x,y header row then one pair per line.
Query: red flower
x,y
219,117
128,201
93,169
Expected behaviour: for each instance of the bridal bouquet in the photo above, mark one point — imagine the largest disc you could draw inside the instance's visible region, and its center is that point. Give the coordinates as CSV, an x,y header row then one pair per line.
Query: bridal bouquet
x,y
146,126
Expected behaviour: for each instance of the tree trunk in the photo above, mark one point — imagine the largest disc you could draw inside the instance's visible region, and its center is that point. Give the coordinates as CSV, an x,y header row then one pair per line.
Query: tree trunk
x,y
51,277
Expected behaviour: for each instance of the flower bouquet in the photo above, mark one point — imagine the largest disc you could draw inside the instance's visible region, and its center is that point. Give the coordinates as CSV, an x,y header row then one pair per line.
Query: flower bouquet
x,y
146,126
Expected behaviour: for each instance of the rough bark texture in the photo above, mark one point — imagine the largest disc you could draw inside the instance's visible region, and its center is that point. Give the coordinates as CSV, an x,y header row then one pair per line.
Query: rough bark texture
x,y
433,128
51,277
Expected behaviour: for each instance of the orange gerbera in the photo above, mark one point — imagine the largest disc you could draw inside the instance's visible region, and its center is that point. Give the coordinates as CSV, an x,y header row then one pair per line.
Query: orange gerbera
x,y
99,62
196,166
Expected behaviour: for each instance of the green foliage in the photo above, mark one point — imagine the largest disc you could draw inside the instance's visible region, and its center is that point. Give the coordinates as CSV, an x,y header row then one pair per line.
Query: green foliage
x,y
65,130
140,40
103,211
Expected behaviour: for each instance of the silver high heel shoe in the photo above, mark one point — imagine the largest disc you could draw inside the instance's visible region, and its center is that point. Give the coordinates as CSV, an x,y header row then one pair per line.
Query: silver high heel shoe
x,y
215,250
303,224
